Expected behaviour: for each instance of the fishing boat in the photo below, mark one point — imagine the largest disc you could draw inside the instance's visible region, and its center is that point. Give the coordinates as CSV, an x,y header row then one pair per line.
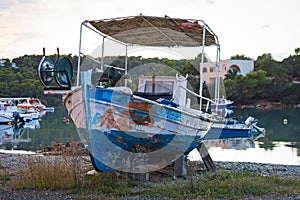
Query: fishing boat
x,y
223,104
20,109
6,121
230,128
139,119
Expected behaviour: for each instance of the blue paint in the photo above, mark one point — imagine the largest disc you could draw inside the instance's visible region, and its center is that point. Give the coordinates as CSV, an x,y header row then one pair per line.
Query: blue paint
x,y
225,133
193,145
103,95
168,102
99,166
173,115
126,141
95,118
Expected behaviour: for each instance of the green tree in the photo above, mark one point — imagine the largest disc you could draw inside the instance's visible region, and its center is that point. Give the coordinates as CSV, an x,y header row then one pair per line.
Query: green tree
x,y
7,63
189,69
240,57
265,62
234,88
297,51
255,84
231,74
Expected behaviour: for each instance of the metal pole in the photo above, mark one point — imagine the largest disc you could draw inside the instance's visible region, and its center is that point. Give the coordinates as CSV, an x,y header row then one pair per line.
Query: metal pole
x,y
217,86
102,59
200,67
102,56
218,67
79,54
126,67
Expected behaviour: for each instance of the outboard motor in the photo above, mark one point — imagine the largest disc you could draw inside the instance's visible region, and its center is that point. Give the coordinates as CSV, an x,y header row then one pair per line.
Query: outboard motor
x,y
249,121
17,117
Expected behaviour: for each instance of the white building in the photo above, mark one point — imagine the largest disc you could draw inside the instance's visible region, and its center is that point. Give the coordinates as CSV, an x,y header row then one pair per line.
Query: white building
x,y
209,72
242,66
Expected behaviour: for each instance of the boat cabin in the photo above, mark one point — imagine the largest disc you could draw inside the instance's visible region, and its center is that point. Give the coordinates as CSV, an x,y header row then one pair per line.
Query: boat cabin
x,y
166,87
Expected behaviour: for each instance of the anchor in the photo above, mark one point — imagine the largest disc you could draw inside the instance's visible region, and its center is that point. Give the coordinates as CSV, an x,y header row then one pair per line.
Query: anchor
x,y
61,71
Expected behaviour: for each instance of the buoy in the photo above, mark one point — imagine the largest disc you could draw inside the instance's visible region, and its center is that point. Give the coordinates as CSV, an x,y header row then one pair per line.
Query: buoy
x,y
66,120
285,121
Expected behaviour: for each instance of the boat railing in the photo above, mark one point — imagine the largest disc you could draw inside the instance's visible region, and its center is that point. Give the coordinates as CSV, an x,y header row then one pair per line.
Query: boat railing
x,y
200,96
105,65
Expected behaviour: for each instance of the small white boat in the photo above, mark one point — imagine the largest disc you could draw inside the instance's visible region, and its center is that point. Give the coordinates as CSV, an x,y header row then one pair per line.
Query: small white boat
x,y
20,109
223,103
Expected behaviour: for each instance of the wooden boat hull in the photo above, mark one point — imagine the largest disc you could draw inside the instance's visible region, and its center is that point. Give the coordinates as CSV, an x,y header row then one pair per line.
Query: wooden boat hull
x,y
128,133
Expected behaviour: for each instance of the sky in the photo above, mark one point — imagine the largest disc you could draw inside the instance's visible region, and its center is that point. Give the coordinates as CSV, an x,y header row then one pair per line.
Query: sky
x,y
244,27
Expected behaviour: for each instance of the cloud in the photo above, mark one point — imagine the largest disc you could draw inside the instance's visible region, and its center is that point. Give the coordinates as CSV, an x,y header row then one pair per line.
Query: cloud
x,y
4,4
16,18
8,4
265,26
211,2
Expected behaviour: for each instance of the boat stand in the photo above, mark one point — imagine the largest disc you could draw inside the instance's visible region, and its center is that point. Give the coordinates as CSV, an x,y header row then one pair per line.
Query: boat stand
x,y
208,162
180,166
180,163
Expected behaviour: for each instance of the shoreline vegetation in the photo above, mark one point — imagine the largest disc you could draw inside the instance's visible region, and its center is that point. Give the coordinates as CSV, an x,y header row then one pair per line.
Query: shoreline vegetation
x,y
270,81
68,174
268,105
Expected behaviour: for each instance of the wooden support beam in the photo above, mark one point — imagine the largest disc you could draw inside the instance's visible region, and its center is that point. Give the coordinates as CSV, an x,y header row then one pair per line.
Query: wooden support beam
x,y
180,166
208,162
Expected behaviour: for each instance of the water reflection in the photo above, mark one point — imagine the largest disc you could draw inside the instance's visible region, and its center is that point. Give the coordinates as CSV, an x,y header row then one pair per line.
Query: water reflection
x,y
14,134
281,124
38,134
280,154
281,143
237,143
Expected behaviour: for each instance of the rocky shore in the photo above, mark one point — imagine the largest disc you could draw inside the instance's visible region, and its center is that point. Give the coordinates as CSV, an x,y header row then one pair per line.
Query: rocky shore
x,y
12,163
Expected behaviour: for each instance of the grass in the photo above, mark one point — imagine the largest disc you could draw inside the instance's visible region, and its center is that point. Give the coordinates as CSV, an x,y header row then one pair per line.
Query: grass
x,y
52,174
66,173
4,177
226,185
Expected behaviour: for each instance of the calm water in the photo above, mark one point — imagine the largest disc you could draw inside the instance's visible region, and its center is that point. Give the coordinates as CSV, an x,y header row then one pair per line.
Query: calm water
x,y
281,144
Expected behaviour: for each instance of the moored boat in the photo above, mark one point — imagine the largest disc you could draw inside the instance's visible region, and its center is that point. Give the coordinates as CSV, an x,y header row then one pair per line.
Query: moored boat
x,y
142,126
223,103
20,109
6,121
230,128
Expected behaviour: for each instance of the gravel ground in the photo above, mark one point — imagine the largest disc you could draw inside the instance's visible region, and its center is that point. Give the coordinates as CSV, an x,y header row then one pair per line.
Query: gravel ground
x,y
12,163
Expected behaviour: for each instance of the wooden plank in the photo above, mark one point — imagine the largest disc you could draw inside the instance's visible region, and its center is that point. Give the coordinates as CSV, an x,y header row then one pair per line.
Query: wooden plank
x,y
180,166
208,162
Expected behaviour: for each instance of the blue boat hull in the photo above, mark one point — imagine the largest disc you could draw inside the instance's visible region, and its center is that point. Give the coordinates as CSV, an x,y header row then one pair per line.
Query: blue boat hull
x,y
226,133
127,133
